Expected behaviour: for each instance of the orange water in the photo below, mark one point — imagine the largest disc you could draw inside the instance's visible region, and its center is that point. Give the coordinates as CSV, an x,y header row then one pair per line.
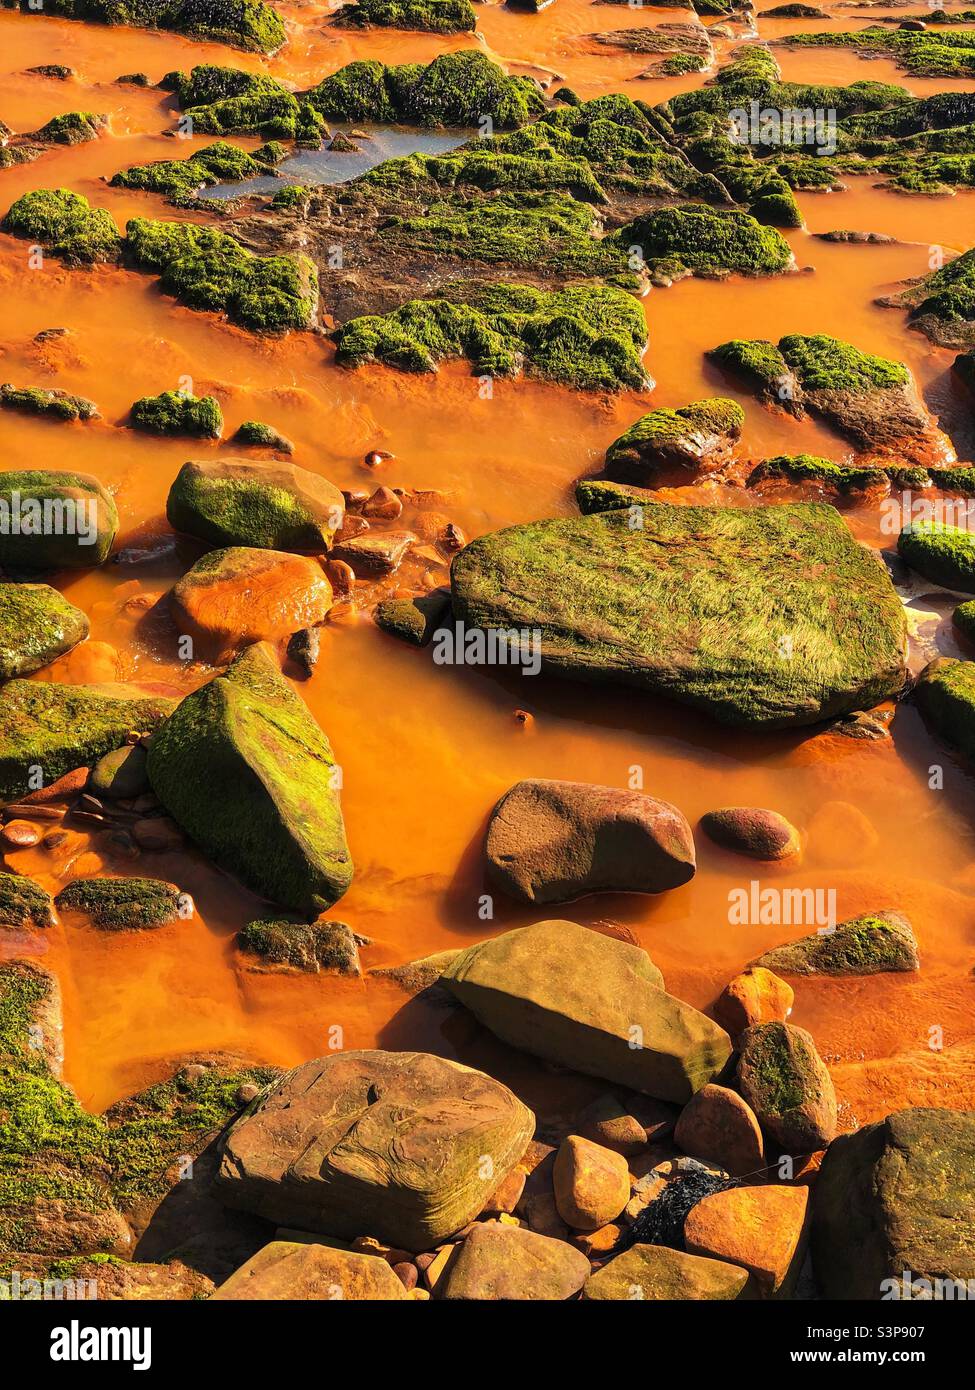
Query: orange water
x,y
426,751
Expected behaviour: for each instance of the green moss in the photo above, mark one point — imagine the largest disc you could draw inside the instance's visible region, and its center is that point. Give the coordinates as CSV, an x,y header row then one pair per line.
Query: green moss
x,y
867,945
922,54
829,364
315,946
943,554
73,520
665,434
964,620
236,502
293,195
65,224
37,624
945,695
52,404
23,904
776,208
700,241
175,412
757,362
413,620
771,1063
217,163
598,495
256,435
73,128
586,336
808,468
676,64
121,904
247,24
948,294
428,16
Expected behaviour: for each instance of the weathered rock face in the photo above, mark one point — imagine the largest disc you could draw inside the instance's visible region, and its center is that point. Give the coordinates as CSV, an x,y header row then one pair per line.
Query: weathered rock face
x,y
240,595
863,946
506,1262
273,506
584,1000
661,1273
753,831
291,1270
760,1229
893,1197
37,624
592,1183
553,841
60,727
783,1079
245,770
403,1146
691,606
55,521
754,996
673,446
718,1126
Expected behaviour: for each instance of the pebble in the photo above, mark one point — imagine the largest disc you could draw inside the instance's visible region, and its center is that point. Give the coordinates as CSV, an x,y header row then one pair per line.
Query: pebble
x,y
383,504
20,833
23,810
377,456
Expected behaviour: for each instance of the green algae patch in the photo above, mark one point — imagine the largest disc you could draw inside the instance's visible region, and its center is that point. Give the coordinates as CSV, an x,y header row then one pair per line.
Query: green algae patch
x,y
308,946
426,16
964,620
269,506
600,495
244,769
942,305
50,404
216,163
176,412
413,620
66,224
23,903
121,904
843,479
47,729
255,434
248,24
591,337
945,695
696,436
759,364
942,553
51,520
761,617
926,54
37,625
73,128
822,363
696,240
867,945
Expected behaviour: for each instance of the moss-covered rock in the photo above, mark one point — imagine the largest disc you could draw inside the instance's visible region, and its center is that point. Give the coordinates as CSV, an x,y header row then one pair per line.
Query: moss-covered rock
x,y
942,305
245,770
50,403
866,945
329,947
598,495
945,695
428,16
48,729
176,412
73,128
66,224
964,620
927,54
23,903
51,521
217,163
696,240
121,774
841,480
121,904
764,616
672,445
274,506
413,620
256,435
942,553
248,24
37,624
783,1079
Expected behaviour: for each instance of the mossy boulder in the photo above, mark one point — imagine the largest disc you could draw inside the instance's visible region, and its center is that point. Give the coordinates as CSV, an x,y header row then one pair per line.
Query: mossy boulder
x,y
587,1001
256,435
244,769
71,128
37,624
865,945
942,553
426,16
809,470
121,774
50,404
121,904
761,617
659,1273
599,495
945,695
782,1077
47,729
314,947
52,521
178,412
893,1202
181,179
697,240
66,224
942,305
671,446
964,620
399,1145
413,620
23,903
273,506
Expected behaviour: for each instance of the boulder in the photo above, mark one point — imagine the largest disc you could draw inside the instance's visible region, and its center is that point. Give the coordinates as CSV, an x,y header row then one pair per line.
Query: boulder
x,y
550,842
670,447
498,1262
413,620
761,1229
244,769
691,605
400,1145
240,595
121,904
312,947
23,903
942,553
121,775
273,506
586,1001
54,521
592,1183
608,1122
783,1079
865,945
717,1125
754,996
301,1271
57,728
37,625
945,695
658,1273
752,831
894,1202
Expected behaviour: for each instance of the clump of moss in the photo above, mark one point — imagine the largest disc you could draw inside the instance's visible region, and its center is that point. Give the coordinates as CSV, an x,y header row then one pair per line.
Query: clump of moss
x,y
945,695
73,128
943,304
255,434
666,436
216,163
24,903
219,101
122,904
760,365
37,625
587,336
866,945
427,16
677,64
292,195
53,404
923,54
775,206
314,947
809,468
175,412
248,24
600,495
964,620
66,224
943,554
697,240
822,363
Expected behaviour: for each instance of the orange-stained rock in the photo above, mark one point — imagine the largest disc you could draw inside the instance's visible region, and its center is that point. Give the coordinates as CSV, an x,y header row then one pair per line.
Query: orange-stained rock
x,y
841,835
608,1122
762,1229
239,595
507,1196
502,1262
592,1184
92,663
754,996
286,1270
717,1125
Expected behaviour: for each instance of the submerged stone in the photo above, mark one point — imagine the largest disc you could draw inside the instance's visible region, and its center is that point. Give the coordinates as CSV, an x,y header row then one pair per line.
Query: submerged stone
x,y
310,946
274,506
862,946
37,624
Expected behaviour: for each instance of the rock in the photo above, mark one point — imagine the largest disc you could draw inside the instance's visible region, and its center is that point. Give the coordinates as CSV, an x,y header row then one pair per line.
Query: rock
x,y
498,1262
657,1273
628,604
945,695
240,595
56,728
670,447
244,769
754,996
37,625
374,554
752,831
313,947
761,1229
551,841
158,834
109,1281
66,788
23,903
407,1274
944,554
54,521
401,1145
840,834
413,620
122,904
121,774
286,1270
584,1000
716,1124
607,1122
862,946
895,1199
239,502
592,1184
505,1198
417,975
783,1079
304,648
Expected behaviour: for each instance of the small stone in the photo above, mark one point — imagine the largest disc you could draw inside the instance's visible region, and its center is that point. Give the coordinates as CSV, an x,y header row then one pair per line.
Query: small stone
x,y
20,833
841,835
755,996
752,831
505,1198
375,554
66,788
121,774
646,1190
716,1124
304,648
542,1216
407,1273
761,1229
434,1271
866,945
377,456
592,1184
384,505
595,1244
247,1092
